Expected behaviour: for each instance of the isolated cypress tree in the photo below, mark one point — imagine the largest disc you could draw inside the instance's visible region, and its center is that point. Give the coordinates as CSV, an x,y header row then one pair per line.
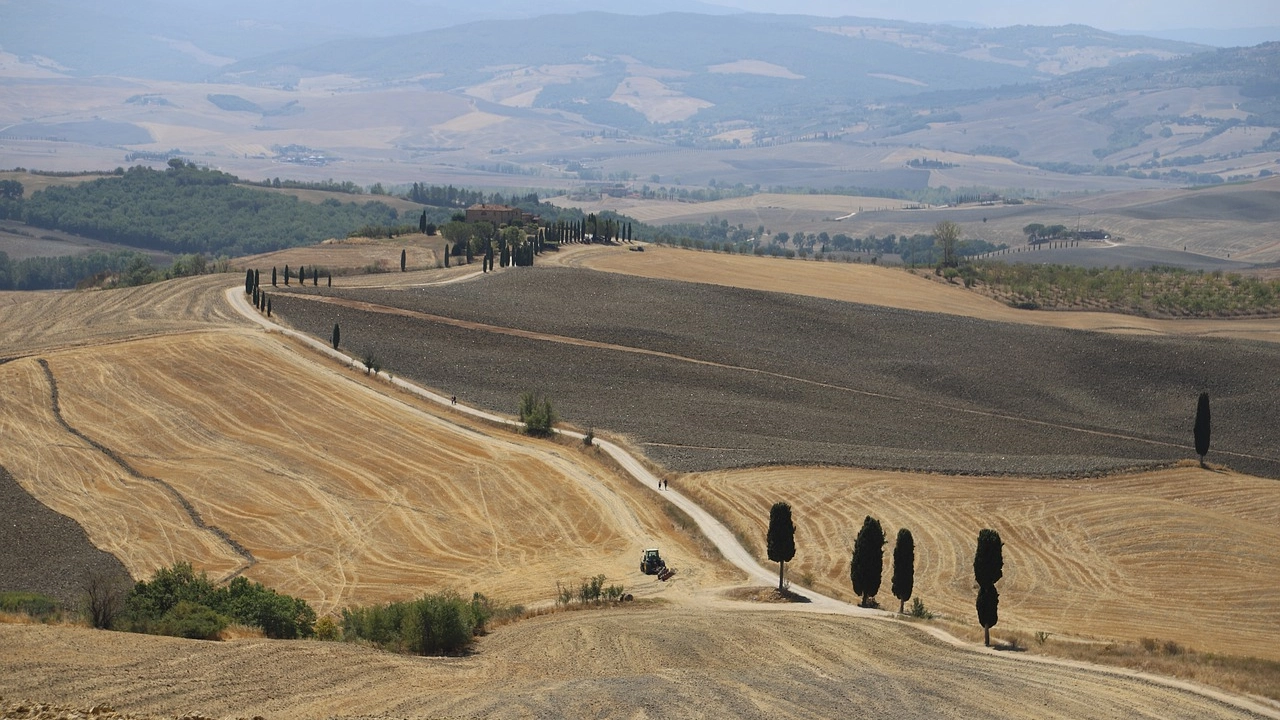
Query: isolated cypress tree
x,y
422,223
402,252
1202,427
329,278
904,568
315,276
273,276
302,275
337,335
780,542
286,276
988,568
866,567
446,254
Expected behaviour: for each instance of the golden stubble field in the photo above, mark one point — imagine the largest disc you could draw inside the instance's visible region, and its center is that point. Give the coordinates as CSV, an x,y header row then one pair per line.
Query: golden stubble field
x,y
1183,554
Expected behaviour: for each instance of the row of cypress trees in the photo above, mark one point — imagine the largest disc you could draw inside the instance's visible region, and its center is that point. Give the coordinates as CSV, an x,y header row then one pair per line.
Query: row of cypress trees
x,y
866,565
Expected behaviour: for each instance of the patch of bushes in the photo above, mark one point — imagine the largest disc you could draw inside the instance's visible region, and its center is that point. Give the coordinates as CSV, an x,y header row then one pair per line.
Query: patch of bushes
x,y
181,603
37,606
438,624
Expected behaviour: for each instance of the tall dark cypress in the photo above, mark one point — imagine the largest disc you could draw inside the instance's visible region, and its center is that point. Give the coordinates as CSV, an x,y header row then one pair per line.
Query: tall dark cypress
x,y
1202,427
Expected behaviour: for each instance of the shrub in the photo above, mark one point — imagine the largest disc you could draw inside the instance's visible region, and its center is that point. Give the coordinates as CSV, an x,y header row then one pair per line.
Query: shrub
x,y
918,610
35,605
327,629
151,606
537,414
433,624
190,620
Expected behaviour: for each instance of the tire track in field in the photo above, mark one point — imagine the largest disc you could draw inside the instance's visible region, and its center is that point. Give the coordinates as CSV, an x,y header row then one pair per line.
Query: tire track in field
x,y
597,345
190,509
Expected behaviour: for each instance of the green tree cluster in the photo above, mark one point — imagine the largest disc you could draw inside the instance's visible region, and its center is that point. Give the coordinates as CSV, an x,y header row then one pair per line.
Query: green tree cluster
x,y
536,413
186,209
177,601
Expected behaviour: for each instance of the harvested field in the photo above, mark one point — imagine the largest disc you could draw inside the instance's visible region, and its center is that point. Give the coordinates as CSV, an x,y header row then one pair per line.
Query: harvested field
x,y
1184,554
348,256
39,321
228,451
889,287
659,662
708,377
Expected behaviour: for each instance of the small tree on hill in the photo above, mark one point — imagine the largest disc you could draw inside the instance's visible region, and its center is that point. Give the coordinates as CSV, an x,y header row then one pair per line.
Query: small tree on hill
x,y
402,252
286,276
315,276
537,414
273,277
866,565
988,568
337,335
780,542
248,282
904,570
947,234
1202,427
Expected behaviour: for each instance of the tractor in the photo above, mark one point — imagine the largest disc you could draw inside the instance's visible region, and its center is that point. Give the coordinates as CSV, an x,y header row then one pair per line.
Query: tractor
x,y
651,563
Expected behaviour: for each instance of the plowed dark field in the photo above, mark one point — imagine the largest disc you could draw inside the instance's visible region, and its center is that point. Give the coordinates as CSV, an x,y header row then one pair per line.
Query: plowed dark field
x,y
710,377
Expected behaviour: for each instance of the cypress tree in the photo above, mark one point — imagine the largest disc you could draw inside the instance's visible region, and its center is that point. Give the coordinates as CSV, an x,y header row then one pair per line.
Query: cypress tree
x,y
422,225
402,255
286,276
254,293
1202,427
329,275
446,254
248,282
268,307
988,568
302,275
904,570
866,567
315,276
273,276
256,279
781,538
337,335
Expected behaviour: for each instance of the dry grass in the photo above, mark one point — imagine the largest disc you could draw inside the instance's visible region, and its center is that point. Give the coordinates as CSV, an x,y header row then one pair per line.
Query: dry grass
x,y
350,255
664,661
889,287
1185,553
341,492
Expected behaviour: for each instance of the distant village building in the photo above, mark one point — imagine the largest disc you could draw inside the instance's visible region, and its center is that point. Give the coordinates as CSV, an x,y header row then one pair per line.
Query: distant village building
x,y
496,214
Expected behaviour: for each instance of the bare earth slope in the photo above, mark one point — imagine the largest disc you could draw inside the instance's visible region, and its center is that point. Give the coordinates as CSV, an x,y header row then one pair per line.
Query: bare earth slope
x,y
654,663
707,376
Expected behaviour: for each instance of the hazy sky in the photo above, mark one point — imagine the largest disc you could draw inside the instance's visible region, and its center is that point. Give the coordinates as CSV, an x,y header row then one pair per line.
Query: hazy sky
x,y
1103,14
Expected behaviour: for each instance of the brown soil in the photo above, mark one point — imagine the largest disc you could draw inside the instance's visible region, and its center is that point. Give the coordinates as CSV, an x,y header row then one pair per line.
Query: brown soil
x,y
652,662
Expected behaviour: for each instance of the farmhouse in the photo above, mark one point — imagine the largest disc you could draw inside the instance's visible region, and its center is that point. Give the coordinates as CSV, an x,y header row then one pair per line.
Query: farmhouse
x,y
496,214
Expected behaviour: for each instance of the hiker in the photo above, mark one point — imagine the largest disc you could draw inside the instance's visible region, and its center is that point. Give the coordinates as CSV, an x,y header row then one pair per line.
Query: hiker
x,y
454,400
